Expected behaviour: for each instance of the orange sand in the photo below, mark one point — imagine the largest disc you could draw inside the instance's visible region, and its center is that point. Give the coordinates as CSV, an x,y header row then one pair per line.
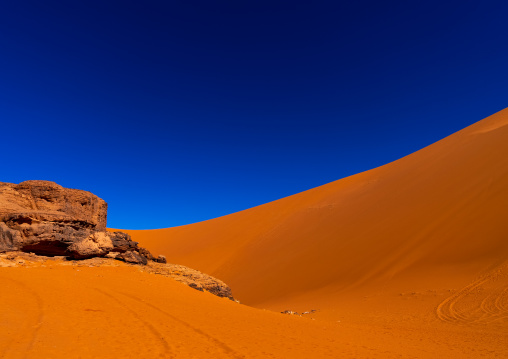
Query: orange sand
x,y
424,238
110,312
408,260
439,215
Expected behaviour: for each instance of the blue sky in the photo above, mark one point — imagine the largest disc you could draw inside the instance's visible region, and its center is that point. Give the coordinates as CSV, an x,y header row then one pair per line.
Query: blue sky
x,y
179,111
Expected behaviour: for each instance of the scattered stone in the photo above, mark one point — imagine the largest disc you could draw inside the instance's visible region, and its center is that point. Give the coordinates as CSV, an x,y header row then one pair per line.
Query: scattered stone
x,y
290,312
309,312
132,257
161,259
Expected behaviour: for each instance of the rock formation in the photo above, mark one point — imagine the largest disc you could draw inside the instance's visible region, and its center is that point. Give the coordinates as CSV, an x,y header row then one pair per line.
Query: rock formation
x,y
193,278
45,218
179,273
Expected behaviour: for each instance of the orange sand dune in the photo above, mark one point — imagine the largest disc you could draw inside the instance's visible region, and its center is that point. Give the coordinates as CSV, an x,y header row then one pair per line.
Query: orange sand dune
x,y
80,312
433,223
409,260
63,311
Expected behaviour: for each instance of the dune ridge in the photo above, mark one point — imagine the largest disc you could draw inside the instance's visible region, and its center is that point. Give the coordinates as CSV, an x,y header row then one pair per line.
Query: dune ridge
x,y
435,218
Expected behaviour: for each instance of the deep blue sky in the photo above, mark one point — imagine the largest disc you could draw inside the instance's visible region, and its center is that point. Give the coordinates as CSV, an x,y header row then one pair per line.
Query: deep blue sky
x,y
180,111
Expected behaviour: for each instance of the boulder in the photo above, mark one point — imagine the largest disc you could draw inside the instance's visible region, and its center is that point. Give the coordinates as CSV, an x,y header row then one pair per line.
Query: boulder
x,y
97,244
145,253
161,259
122,242
45,198
45,218
132,257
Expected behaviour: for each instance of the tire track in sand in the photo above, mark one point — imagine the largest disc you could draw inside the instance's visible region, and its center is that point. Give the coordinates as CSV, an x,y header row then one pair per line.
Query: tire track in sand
x,y
447,312
483,301
167,350
217,343
495,304
32,330
502,301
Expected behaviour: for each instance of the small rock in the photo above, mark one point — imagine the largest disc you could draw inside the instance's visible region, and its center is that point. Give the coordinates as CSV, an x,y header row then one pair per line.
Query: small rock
x,y
161,259
196,286
146,253
290,312
112,255
132,257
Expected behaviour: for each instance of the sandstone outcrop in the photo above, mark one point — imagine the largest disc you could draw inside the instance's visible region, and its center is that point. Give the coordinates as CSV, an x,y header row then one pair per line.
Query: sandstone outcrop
x,y
45,218
182,274
145,253
132,257
193,278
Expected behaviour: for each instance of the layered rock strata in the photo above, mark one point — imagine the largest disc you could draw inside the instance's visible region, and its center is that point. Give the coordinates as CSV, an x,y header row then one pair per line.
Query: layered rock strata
x,y
45,218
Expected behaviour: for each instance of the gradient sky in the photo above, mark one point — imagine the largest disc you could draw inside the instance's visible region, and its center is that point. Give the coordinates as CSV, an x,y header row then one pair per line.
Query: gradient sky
x,y
179,111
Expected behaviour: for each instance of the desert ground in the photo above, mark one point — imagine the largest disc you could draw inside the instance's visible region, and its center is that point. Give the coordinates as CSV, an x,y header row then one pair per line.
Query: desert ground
x,y
408,260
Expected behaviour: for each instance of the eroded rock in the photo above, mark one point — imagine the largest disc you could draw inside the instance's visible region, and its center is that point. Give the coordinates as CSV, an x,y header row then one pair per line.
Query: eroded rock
x,y
132,257
145,253
161,259
40,220
193,278
45,198
47,219
182,274
97,244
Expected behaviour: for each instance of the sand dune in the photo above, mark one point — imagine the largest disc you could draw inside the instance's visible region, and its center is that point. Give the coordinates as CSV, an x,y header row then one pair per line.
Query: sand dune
x,y
436,218
424,238
71,311
406,260
119,312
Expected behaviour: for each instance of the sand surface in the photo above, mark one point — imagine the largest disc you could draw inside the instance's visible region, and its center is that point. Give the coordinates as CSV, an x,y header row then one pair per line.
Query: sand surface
x,y
408,260
423,239
62,311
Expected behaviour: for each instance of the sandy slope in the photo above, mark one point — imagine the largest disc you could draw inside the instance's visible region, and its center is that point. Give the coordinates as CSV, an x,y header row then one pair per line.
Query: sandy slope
x,y
408,260
442,211
424,237
80,312
60,311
